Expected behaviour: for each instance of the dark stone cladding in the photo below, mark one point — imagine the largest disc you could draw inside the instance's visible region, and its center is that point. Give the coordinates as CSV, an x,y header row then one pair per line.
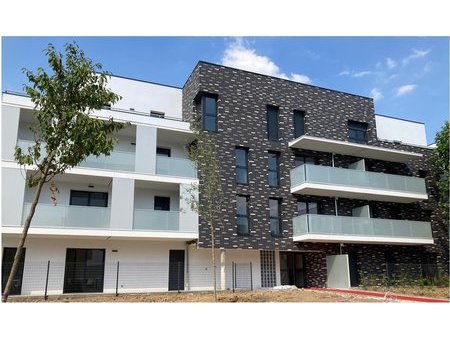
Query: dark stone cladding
x,y
241,104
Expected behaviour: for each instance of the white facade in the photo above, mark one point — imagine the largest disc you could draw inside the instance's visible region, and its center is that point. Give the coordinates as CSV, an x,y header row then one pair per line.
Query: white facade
x,y
392,129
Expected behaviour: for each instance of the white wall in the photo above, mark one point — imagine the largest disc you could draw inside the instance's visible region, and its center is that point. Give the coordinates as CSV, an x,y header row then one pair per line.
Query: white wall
x,y
13,191
392,129
144,96
144,265
10,124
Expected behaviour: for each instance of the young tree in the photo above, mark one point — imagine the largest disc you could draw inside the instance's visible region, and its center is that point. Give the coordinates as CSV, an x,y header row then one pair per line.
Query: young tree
x,y
440,161
65,134
202,152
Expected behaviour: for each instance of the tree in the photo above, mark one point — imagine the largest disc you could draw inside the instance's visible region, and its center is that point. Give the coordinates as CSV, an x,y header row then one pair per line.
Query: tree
x,y
65,134
440,161
202,152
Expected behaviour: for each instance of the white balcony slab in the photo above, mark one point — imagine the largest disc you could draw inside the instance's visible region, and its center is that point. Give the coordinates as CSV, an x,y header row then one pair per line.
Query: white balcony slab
x,y
352,149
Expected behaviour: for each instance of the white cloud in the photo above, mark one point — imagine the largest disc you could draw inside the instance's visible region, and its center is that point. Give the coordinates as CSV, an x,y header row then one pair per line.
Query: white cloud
x,y
391,63
237,55
355,74
361,74
406,89
376,94
416,54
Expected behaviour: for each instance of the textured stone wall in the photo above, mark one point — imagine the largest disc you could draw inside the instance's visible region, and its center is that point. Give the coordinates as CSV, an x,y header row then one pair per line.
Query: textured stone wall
x,y
242,101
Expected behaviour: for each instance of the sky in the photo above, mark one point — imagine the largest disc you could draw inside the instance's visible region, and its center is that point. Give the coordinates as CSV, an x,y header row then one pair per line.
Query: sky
x,y
408,77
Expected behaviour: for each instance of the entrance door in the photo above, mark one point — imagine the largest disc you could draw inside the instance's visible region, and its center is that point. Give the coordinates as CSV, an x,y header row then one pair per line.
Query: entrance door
x,y
292,269
84,270
176,270
7,262
353,268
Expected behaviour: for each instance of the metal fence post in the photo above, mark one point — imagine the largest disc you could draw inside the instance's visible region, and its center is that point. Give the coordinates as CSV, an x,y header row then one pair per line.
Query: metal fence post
x,y
117,279
178,277
46,281
251,277
232,275
235,278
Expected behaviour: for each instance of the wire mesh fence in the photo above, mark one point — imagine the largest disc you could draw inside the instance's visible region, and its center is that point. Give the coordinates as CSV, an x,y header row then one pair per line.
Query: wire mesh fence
x,y
56,277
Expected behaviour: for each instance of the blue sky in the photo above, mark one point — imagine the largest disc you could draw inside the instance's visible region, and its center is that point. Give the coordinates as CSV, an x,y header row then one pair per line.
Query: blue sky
x,y
407,76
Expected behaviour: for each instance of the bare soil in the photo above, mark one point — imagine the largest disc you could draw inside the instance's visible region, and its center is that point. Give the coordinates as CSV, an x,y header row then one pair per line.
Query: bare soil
x,y
257,296
441,292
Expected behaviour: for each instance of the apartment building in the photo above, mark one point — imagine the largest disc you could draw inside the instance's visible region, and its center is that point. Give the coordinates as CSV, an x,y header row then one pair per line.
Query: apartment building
x,y
318,191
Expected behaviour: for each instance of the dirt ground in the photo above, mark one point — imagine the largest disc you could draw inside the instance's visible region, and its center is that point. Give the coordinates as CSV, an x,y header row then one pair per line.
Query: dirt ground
x,y
429,291
257,296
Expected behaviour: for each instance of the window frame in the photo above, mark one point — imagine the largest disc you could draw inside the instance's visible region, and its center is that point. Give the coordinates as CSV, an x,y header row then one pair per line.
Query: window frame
x,y
277,169
357,127
247,215
276,110
203,110
89,197
302,113
280,228
246,151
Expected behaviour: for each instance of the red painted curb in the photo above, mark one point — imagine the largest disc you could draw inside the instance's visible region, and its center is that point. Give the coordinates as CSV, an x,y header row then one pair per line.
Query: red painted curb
x,y
384,295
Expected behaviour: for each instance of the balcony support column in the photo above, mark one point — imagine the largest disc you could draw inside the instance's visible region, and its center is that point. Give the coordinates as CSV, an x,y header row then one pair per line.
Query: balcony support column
x,y
146,139
122,204
10,126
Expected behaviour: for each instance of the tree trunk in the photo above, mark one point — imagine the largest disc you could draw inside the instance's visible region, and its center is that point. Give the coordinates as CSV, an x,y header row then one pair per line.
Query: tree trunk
x,y
19,250
213,257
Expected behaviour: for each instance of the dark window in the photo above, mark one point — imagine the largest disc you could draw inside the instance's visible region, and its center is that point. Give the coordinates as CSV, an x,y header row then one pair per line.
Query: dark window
x,y
304,159
157,114
299,123
84,270
162,203
357,132
242,222
274,169
163,152
304,207
89,198
209,110
423,173
275,216
272,123
241,158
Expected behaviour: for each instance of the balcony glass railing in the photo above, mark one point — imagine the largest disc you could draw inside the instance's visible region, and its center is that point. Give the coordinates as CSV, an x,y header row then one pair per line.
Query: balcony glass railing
x,y
360,226
173,166
309,173
68,216
156,220
117,160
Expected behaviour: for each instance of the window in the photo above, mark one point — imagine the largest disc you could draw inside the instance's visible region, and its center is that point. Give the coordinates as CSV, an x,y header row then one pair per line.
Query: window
x,y
272,123
209,112
242,222
162,203
301,159
422,173
163,152
89,198
304,207
299,123
274,175
275,216
157,114
357,132
241,156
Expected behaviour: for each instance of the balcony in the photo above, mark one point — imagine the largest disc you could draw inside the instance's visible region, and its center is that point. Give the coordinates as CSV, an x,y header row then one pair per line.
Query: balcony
x,y
173,166
344,229
156,220
125,161
68,216
318,180
353,149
